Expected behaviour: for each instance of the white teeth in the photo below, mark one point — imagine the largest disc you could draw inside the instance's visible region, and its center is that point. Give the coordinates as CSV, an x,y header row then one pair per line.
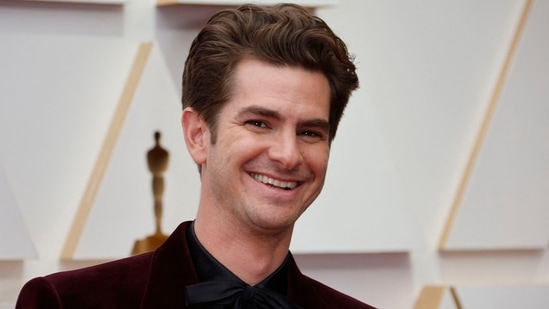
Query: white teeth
x,y
273,182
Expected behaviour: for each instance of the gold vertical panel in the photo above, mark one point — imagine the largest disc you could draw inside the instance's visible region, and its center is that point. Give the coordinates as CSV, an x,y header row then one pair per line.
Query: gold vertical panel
x,y
430,297
106,151
484,125
455,297
166,2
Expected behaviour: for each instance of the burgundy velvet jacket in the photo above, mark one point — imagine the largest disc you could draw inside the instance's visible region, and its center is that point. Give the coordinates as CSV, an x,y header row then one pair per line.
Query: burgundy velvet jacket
x,y
155,280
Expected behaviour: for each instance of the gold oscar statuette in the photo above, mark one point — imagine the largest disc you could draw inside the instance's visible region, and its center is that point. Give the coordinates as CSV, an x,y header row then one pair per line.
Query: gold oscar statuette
x,y
157,161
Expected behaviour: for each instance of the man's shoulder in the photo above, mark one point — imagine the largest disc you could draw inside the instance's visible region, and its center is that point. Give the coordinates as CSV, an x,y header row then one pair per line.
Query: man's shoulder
x,y
113,270
91,286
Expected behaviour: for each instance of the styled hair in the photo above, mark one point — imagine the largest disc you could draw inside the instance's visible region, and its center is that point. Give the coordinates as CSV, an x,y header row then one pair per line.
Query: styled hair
x,y
283,34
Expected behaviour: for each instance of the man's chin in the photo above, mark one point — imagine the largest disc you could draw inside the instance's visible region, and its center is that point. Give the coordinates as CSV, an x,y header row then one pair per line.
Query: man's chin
x,y
270,227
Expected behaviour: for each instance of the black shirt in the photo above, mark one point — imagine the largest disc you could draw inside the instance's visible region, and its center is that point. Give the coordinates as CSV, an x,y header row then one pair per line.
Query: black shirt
x,y
208,268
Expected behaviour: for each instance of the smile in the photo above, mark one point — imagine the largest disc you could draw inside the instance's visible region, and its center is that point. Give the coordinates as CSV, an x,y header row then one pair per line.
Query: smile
x,y
286,185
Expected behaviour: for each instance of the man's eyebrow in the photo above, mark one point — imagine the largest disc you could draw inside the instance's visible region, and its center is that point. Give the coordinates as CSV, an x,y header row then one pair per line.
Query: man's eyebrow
x,y
316,123
260,111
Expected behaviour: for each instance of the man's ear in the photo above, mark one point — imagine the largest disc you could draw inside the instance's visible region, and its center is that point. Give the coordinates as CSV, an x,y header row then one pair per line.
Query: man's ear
x,y
197,135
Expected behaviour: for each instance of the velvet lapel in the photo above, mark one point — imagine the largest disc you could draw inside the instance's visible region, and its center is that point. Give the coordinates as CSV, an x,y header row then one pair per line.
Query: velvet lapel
x,y
299,290
170,271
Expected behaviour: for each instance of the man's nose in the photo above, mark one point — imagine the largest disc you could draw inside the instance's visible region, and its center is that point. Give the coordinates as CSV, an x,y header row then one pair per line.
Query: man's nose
x,y
286,150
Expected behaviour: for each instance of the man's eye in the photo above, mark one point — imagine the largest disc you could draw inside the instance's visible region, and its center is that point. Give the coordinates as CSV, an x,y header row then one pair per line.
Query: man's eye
x,y
312,134
257,123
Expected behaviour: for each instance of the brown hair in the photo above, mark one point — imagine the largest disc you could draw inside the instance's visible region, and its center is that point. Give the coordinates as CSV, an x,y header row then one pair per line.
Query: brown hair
x,y
284,34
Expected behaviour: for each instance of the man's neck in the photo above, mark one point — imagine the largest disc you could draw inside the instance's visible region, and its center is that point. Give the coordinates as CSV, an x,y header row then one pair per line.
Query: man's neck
x,y
251,256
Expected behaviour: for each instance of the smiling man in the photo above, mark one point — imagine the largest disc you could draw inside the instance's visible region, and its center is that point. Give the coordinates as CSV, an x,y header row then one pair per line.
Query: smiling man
x,y
266,167
264,89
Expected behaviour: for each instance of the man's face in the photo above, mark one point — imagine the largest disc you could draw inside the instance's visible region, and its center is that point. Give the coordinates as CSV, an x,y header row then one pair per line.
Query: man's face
x,y
270,158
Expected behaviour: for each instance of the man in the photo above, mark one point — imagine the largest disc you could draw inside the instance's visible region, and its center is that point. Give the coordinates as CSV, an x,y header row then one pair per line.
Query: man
x,y
263,92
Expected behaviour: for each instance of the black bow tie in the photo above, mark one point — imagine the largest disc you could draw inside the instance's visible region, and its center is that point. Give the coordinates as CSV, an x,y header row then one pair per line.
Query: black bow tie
x,y
234,294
